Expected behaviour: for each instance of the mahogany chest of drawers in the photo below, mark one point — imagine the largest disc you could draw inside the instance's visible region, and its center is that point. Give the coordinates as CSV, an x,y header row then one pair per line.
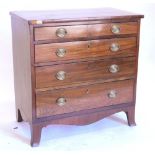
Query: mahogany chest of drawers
x,y
74,66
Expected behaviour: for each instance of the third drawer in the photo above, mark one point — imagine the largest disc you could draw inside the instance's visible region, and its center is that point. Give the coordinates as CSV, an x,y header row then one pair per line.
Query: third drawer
x,y
73,74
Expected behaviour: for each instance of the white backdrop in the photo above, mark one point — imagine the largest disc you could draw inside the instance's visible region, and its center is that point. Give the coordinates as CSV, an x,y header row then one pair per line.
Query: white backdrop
x,y
146,75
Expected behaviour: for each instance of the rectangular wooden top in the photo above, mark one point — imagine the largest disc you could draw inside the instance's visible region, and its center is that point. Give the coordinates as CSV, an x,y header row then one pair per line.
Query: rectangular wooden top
x,y
74,15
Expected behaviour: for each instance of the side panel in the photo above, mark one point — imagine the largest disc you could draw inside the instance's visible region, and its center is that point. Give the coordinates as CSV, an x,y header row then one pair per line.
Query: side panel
x,y
22,67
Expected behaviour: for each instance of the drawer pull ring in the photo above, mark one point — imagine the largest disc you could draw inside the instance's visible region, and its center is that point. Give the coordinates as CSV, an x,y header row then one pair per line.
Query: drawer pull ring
x,y
61,32
61,75
114,47
114,68
115,29
60,52
112,94
61,101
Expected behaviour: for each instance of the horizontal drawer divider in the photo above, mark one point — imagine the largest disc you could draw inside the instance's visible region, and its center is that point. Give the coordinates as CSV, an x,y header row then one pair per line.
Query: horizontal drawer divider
x,y
83,39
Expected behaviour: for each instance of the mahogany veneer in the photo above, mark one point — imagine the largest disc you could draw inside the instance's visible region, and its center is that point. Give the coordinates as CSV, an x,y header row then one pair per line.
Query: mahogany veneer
x,y
74,66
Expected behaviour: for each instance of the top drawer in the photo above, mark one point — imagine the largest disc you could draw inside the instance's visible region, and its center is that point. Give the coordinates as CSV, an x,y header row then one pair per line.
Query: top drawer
x,y
83,31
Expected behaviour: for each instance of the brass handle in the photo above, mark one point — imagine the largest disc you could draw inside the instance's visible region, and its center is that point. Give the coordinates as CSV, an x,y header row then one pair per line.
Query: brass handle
x,y
115,29
60,52
112,94
61,101
114,47
61,32
61,75
114,68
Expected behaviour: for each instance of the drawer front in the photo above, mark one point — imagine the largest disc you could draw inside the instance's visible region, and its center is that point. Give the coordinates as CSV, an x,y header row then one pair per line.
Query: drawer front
x,y
85,72
83,31
81,98
65,32
113,29
85,49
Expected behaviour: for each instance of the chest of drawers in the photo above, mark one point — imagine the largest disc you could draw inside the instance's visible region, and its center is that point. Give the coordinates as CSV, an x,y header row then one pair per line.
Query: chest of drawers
x,y
74,66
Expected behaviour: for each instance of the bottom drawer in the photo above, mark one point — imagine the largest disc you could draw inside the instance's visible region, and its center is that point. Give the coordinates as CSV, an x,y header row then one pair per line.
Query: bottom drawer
x,y
86,97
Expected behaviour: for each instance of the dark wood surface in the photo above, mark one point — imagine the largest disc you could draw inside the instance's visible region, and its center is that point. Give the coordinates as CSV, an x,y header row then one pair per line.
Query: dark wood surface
x,y
83,117
85,50
86,97
45,33
86,63
85,72
22,69
75,15
84,31
105,29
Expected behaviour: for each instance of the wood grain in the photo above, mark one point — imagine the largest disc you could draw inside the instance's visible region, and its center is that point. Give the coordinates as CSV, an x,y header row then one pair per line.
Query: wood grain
x,y
105,29
60,16
87,97
84,72
22,69
84,31
45,33
85,50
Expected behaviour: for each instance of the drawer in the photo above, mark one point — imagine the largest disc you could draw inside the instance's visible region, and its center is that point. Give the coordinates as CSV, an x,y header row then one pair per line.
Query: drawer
x,y
82,98
83,31
85,49
65,75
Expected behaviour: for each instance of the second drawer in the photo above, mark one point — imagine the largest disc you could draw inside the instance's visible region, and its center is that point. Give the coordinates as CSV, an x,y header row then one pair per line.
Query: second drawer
x,y
65,75
57,52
